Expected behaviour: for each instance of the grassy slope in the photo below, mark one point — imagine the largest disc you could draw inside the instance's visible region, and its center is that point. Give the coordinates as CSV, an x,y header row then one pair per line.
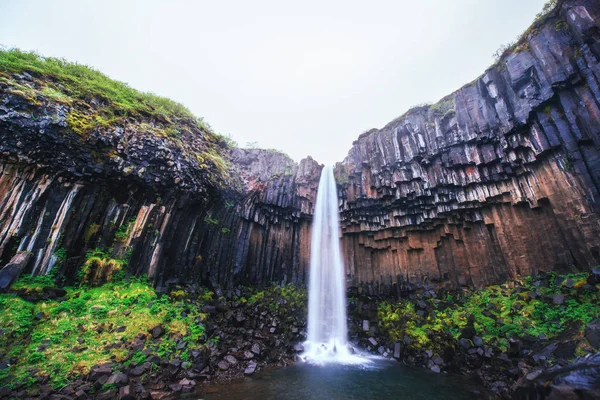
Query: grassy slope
x,y
70,81
44,336
93,315
96,102
519,309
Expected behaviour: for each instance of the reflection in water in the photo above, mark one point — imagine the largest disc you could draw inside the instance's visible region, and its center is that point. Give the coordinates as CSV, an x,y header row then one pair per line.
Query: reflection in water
x,y
379,380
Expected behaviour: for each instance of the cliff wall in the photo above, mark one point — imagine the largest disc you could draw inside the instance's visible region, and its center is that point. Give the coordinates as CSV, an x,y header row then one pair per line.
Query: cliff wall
x,y
180,207
499,179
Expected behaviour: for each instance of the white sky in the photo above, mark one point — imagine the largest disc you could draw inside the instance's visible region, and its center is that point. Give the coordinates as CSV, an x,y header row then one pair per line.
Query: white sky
x,y
305,77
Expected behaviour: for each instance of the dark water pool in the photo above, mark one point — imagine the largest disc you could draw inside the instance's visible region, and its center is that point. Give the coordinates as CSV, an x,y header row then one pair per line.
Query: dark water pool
x,y
382,379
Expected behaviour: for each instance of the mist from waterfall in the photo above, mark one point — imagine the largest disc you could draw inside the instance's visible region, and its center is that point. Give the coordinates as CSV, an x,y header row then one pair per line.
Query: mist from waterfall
x,y
327,320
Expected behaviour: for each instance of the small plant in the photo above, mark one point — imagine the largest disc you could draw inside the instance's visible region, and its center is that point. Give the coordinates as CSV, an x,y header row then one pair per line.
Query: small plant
x,y
61,254
125,230
99,268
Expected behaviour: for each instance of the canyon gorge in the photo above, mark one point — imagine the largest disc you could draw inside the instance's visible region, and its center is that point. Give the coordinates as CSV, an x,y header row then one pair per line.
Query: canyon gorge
x,y
143,255
497,180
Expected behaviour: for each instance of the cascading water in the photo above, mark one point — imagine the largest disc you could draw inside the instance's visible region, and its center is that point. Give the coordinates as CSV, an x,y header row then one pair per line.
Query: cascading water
x,y
327,327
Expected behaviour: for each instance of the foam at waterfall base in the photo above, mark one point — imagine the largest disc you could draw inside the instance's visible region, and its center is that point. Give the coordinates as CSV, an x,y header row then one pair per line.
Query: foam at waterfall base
x,y
330,353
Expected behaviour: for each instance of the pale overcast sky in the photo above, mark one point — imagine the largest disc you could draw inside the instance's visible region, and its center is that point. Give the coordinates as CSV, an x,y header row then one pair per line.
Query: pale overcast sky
x,y
304,77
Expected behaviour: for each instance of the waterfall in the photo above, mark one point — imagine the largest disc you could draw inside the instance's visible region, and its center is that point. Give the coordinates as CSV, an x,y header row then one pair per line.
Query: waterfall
x,y
327,321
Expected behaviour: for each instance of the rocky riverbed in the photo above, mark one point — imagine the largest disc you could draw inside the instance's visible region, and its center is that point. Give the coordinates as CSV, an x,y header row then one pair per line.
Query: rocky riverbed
x,y
125,340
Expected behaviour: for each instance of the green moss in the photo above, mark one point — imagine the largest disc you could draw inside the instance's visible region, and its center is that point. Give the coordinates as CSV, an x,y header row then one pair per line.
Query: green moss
x,y
90,315
499,313
83,82
125,230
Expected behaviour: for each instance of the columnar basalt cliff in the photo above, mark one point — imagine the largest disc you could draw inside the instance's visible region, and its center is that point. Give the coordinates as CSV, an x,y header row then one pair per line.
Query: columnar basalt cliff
x,y
179,208
497,180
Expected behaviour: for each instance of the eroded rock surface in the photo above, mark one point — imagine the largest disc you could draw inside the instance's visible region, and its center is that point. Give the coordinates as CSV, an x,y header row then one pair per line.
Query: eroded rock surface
x,y
498,179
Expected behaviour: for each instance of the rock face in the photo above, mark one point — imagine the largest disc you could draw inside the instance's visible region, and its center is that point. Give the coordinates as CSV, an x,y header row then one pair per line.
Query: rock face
x,y
500,178
178,208
254,237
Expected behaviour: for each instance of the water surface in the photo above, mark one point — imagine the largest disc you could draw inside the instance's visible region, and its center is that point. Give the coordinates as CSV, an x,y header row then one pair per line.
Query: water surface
x,y
382,379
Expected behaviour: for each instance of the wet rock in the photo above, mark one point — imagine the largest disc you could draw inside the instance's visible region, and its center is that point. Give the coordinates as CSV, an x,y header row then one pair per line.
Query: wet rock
x,y
534,374
137,371
373,341
435,368
223,365
255,349
397,349
158,395
477,341
107,395
157,331
231,359
558,299
11,271
594,276
545,353
365,325
566,350
592,333
118,379
465,343
251,368
126,393
176,387
514,348
298,348
98,372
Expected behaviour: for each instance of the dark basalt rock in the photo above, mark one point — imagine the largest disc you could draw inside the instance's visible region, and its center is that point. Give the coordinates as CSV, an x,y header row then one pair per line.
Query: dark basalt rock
x,y
12,270
497,180
592,333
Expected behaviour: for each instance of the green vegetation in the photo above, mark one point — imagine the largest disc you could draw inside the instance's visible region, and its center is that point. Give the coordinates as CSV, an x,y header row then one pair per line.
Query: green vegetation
x,y
500,312
521,44
125,230
442,107
96,103
68,81
64,339
211,221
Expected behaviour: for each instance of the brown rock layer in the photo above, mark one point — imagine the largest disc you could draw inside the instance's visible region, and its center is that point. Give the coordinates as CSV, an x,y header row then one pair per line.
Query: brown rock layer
x,y
499,179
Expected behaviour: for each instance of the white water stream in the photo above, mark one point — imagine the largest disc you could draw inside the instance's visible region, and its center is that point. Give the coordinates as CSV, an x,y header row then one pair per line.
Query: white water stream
x,y
327,321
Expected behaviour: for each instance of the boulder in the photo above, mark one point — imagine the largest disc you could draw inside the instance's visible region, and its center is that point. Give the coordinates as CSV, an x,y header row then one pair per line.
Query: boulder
x,y
397,350
223,365
592,334
126,393
231,359
157,331
251,368
365,325
12,270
